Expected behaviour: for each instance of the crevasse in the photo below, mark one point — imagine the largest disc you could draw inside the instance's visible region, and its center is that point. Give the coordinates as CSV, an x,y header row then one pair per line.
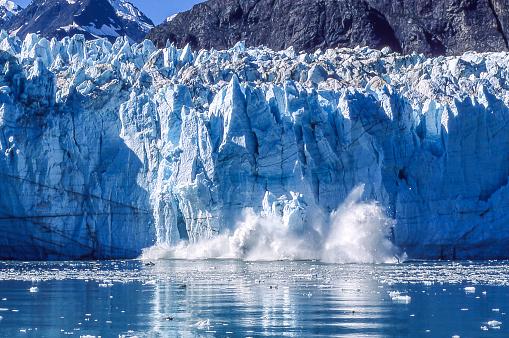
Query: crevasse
x,y
107,149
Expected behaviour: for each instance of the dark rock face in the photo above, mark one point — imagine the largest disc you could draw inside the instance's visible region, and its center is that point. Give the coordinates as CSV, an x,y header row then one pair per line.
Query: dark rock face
x,y
92,18
433,27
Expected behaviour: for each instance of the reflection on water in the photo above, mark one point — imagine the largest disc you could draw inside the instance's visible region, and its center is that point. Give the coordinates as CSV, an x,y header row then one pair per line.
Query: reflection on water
x,y
238,299
242,299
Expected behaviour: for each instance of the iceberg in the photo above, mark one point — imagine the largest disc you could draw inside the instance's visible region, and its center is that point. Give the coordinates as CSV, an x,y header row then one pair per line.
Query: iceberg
x,y
110,148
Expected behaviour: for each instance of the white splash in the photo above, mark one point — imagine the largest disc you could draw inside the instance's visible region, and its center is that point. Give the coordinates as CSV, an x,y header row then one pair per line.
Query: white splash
x,y
357,232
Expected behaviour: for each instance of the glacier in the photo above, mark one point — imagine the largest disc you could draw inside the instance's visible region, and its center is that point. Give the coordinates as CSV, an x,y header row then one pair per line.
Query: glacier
x,y
110,148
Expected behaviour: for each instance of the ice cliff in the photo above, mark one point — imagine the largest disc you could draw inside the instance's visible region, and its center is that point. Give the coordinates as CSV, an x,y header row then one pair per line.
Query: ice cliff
x,y
110,148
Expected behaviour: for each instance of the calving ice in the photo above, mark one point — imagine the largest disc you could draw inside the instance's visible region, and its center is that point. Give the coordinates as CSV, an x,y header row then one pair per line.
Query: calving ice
x,y
110,148
358,232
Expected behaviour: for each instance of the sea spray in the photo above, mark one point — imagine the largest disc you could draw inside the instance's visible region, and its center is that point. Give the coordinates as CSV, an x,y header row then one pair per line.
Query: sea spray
x,y
357,232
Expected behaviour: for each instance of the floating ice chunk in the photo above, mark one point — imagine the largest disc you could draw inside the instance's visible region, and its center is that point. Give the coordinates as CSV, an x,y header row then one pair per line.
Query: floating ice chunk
x,y
455,336
495,310
469,289
397,297
494,324
484,328
1,317
402,299
105,285
34,289
394,294
202,324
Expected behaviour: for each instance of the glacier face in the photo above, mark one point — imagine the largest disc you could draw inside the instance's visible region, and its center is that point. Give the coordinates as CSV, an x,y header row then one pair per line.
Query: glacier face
x,y
111,148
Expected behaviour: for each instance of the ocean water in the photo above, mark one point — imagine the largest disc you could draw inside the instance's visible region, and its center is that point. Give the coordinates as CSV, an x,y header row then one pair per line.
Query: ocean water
x,y
230,298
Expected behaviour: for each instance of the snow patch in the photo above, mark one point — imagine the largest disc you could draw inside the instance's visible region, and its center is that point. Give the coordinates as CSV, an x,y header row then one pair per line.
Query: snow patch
x,y
104,30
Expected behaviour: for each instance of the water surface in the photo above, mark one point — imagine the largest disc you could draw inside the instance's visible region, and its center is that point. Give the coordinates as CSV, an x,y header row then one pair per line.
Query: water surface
x,y
240,299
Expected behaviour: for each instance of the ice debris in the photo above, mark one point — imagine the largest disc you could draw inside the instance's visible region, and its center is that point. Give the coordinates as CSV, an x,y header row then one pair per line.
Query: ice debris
x,y
469,289
397,297
494,324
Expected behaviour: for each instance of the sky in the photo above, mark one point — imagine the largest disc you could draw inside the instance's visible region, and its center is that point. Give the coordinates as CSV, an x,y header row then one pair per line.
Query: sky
x,y
157,10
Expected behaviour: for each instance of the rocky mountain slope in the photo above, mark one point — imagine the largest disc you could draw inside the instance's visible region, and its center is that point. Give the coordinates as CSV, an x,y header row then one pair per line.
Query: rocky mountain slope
x,y
438,27
92,18
110,148
8,9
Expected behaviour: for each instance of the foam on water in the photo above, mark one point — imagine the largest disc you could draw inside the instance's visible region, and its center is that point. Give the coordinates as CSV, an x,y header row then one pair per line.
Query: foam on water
x,y
357,232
